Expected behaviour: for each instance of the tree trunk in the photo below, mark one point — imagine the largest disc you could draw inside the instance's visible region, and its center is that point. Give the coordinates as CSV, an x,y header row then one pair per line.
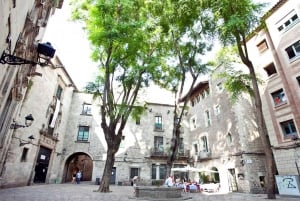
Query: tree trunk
x,y
173,149
105,180
262,129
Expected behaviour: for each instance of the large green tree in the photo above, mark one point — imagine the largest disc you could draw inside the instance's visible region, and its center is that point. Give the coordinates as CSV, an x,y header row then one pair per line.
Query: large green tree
x,y
187,32
125,43
236,19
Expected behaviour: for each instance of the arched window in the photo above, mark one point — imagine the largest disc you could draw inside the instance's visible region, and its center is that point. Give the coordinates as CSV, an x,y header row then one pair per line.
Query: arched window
x,y
229,139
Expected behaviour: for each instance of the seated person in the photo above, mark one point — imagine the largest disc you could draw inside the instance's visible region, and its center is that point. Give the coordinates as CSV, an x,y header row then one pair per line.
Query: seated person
x,y
193,187
169,181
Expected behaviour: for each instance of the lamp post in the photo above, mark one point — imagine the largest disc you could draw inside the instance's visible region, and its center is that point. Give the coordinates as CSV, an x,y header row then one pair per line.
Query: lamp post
x,y
64,150
28,121
125,156
44,49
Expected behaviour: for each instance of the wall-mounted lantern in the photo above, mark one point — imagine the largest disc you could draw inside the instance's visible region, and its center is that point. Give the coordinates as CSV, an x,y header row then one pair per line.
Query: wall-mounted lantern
x,y
64,150
45,53
125,156
28,121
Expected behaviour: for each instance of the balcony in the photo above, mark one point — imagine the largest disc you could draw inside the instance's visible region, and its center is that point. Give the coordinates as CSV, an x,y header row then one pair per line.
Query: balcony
x,y
158,127
159,153
204,155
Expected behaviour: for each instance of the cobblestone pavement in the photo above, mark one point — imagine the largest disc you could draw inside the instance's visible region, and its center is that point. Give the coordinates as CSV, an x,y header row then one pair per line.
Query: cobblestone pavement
x,y
85,192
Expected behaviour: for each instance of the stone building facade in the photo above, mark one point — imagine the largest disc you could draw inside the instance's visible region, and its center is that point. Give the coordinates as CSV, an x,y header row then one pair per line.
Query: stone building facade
x,y
224,138
218,135
23,24
275,52
143,151
37,150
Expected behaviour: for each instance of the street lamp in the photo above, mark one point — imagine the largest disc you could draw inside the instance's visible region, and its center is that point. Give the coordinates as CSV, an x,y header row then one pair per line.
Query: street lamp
x,y
125,156
28,121
45,53
64,150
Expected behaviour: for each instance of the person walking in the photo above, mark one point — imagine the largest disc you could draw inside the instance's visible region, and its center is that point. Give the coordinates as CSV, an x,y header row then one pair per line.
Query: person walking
x,y
134,183
78,177
74,177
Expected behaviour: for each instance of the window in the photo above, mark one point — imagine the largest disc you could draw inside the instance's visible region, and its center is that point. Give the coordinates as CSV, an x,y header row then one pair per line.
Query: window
x,y
59,92
219,87
180,146
24,154
134,172
207,118
204,147
162,171
262,46
158,123
198,98
298,80
50,125
270,69
87,109
193,122
293,51
193,102
262,181
83,133
229,139
207,92
196,149
290,20
158,144
217,109
153,175
279,97
138,121
288,128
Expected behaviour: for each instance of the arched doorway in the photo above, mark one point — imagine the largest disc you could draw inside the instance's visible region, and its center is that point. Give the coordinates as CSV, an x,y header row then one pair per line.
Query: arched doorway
x,y
215,175
79,161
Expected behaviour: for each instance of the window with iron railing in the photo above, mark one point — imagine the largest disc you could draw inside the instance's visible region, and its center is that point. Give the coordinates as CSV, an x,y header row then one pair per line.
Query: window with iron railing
x,y
180,147
158,144
158,123
204,146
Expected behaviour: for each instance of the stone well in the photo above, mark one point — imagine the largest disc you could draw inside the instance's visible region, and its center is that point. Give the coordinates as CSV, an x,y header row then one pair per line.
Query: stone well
x,y
158,192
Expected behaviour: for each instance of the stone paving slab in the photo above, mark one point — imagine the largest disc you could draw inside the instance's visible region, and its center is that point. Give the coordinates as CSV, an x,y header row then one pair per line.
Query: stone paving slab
x,y
85,192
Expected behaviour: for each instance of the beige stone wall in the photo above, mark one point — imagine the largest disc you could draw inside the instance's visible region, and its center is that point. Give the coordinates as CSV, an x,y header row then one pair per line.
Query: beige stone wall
x,y
284,147
36,102
243,154
20,32
138,141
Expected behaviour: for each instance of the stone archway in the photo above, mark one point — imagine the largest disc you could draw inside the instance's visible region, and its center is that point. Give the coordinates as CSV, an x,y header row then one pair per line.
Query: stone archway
x,y
79,161
215,175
